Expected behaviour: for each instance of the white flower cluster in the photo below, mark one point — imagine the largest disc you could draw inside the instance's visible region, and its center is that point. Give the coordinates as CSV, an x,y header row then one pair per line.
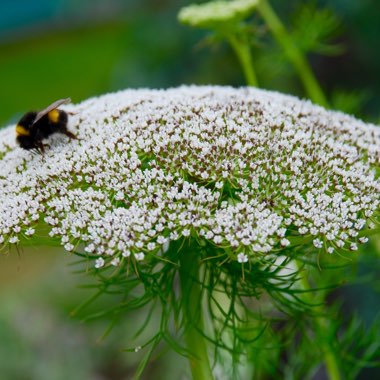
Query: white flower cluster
x,y
244,169
214,13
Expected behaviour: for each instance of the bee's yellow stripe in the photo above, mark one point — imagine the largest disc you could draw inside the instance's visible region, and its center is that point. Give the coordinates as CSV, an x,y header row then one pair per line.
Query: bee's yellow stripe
x,y
53,116
22,131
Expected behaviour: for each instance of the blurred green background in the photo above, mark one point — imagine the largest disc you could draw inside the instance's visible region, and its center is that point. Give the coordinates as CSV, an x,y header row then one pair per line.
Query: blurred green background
x,y
51,49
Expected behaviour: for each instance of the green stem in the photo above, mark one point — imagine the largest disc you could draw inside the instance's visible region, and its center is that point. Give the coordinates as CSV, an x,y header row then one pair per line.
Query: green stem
x,y
293,53
322,328
370,232
243,52
192,311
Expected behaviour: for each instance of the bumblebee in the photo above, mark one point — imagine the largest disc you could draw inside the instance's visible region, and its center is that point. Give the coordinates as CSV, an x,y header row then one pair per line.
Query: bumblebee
x,y
36,126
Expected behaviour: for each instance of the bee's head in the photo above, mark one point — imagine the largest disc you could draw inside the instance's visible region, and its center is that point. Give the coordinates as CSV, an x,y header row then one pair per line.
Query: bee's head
x,y
26,142
23,131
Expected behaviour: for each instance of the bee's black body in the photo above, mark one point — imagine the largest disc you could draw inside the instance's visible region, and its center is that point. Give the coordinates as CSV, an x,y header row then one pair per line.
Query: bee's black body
x,y
37,126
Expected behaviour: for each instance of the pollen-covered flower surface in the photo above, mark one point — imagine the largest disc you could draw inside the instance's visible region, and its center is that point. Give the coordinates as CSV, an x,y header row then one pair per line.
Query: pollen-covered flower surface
x,y
246,170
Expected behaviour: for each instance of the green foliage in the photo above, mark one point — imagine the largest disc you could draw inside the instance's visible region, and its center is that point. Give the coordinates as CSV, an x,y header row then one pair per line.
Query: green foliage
x,y
237,326
359,346
351,102
313,30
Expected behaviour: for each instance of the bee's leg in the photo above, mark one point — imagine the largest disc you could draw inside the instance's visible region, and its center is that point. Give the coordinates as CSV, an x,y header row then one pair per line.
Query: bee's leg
x,y
41,147
69,134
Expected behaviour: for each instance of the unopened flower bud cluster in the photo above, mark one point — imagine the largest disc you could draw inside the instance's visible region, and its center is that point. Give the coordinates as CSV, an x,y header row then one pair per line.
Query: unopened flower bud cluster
x,y
245,169
216,13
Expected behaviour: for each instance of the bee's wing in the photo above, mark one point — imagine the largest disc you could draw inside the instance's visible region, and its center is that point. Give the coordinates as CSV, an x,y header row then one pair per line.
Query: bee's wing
x,y
52,107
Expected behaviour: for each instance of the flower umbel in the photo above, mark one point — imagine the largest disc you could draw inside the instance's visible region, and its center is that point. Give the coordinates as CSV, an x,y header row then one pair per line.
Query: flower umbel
x,y
249,171
216,13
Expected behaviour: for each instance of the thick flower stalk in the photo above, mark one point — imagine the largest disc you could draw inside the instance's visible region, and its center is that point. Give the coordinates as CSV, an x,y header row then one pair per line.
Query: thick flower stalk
x,y
248,171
